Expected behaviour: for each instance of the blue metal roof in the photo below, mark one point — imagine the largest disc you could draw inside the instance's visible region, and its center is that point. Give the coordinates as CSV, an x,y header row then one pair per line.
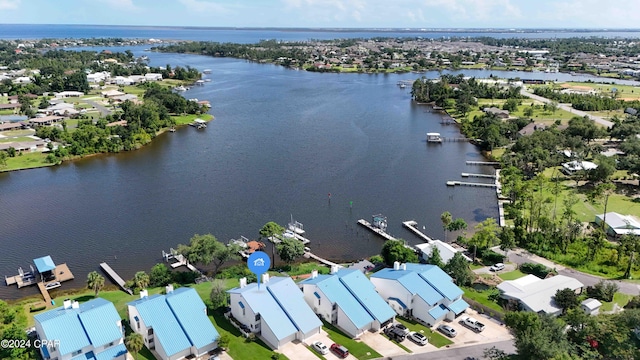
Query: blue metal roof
x,y
191,313
365,293
99,318
438,279
315,280
404,306
458,306
44,264
85,356
112,352
63,325
338,294
155,313
262,302
291,299
411,281
438,312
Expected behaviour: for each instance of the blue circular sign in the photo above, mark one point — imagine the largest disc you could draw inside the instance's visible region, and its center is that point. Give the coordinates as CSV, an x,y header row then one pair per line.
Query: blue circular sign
x,y
259,263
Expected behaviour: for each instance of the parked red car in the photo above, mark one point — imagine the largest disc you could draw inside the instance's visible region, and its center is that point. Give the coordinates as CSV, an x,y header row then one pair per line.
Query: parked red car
x,y
340,350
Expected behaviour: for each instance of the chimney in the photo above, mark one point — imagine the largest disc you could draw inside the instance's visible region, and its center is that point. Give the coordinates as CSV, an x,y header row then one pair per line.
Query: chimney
x,y
66,304
334,269
243,282
404,266
75,305
396,265
265,278
144,294
169,288
314,274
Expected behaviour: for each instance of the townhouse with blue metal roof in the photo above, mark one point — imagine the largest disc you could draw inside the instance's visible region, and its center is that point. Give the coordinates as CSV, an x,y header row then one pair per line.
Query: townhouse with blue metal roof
x,y
275,310
424,292
175,325
91,330
348,300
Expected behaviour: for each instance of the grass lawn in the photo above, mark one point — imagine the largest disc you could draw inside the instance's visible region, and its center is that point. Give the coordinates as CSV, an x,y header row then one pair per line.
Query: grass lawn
x,y
238,347
188,119
435,338
512,275
482,296
629,92
16,139
26,161
145,354
539,114
356,348
6,112
134,90
619,298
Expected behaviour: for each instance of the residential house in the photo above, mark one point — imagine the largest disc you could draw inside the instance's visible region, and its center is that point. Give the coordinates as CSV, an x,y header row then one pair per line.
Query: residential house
x,y
153,77
69,94
112,93
174,325
347,299
10,126
500,113
618,225
274,310
591,306
423,292
13,107
572,167
45,120
91,330
535,294
530,128
446,251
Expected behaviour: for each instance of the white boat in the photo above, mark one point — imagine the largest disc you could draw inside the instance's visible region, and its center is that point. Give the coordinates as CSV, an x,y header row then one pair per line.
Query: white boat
x,y
180,88
206,71
402,86
434,137
207,80
295,226
199,82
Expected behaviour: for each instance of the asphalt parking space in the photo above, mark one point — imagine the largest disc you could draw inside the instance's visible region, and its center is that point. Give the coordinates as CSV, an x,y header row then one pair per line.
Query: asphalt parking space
x,y
382,345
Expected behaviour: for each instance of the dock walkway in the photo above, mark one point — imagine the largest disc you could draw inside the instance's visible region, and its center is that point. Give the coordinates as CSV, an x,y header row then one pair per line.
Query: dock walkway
x,y
488,163
115,277
411,225
180,260
380,232
487,176
45,293
324,261
462,183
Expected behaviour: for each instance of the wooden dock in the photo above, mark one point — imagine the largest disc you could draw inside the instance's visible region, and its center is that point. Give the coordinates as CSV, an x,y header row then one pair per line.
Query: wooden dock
x,y
311,255
486,176
462,183
45,293
380,232
411,225
488,163
115,277
176,260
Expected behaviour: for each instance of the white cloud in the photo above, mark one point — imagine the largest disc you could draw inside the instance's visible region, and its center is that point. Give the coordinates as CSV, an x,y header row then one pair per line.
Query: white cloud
x,y
593,13
127,5
202,6
326,12
477,10
9,4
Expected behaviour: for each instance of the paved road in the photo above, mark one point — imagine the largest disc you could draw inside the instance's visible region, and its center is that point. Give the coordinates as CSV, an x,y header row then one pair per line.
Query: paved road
x,y
520,256
567,107
459,353
103,110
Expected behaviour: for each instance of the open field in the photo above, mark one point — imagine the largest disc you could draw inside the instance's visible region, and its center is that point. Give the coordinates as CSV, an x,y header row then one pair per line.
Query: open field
x,y
188,119
26,161
539,114
618,298
627,92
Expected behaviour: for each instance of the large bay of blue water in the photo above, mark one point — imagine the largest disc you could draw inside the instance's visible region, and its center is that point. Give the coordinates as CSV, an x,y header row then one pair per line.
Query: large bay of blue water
x,y
281,142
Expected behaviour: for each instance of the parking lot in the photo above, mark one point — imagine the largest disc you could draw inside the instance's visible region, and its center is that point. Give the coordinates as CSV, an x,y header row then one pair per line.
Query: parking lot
x,y
298,350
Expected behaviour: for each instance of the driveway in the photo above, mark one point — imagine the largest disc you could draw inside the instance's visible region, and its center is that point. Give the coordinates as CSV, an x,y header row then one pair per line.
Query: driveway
x,y
324,338
298,350
485,270
103,109
519,256
382,345
567,107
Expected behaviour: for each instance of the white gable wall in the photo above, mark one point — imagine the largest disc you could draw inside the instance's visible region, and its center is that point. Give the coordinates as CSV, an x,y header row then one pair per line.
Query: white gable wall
x,y
392,288
322,306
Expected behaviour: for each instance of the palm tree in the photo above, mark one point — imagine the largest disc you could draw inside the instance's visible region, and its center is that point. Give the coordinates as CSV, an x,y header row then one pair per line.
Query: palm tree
x,y
141,280
134,343
446,220
95,282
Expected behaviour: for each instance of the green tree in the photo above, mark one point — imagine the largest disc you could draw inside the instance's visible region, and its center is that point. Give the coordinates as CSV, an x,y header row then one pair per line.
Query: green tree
x,y
446,220
507,240
95,282
606,168
289,249
160,275
435,258
218,295
270,229
511,105
458,268
207,250
528,112
141,280
393,251
223,341
486,235
134,343
457,225
566,299
3,158
538,336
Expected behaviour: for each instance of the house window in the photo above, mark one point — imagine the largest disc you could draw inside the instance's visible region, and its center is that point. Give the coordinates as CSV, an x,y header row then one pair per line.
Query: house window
x,y
319,302
335,306
244,312
257,317
77,352
150,331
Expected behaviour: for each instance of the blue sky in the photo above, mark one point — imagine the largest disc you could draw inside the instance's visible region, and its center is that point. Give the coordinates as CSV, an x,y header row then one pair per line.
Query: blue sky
x,y
329,13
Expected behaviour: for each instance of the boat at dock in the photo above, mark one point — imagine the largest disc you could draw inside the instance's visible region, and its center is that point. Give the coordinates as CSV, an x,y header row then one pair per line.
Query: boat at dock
x,y
180,88
172,129
200,82
206,71
199,124
295,226
378,226
434,137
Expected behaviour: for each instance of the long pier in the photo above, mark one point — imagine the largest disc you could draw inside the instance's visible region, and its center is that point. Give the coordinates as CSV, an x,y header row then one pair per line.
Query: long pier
x,y
380,232
45,293
411,225
115,277
488,163
462,183
487,176
318,258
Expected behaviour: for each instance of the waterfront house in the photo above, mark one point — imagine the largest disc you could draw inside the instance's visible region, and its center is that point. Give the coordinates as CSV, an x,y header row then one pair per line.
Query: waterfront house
x,y
499,113
535,294
275,311
347,299
91,330
153,77
617,225
571,167
446,251
45,120
175,325
531,128
423,292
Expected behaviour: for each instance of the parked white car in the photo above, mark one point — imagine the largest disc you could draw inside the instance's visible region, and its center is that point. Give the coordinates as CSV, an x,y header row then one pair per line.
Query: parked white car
x,y
497,267
418,338
320,348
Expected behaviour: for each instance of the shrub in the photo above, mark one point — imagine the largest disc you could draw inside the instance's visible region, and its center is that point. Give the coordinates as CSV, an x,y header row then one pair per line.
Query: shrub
x,y
185,277
490,256
603,290
538,270
36,308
